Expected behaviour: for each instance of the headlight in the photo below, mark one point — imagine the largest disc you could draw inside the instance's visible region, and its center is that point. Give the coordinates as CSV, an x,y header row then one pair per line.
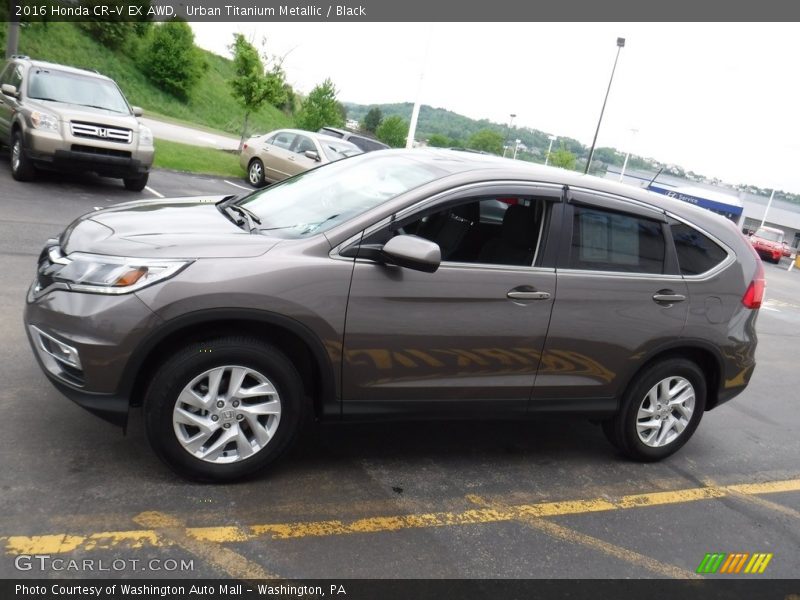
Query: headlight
x,y
43,120
114,275
145,135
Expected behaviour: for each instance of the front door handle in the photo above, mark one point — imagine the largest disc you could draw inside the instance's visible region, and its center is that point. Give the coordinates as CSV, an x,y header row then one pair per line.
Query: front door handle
x,y
517,295
668,297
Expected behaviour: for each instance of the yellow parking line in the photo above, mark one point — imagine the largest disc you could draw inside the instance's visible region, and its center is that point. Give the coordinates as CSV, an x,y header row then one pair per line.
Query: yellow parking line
x,y
68,542
173,531
559,532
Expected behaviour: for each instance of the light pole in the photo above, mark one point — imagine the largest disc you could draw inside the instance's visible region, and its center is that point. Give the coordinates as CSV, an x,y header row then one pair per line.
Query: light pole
x,y
620,46
516,146
508,133
628,155
769,204
552,139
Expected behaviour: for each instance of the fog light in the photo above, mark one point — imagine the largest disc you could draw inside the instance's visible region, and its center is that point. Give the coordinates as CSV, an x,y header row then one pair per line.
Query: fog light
x,y
59,350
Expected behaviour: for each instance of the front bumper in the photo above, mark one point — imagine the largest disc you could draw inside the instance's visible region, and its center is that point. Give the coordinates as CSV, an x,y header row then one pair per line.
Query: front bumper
x,y
101,332
50,150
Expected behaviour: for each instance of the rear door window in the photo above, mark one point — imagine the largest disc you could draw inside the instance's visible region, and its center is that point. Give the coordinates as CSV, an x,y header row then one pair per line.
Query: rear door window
x,y
605,240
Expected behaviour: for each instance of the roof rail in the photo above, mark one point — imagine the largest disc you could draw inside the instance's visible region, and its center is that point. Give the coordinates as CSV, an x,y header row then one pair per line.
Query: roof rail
x,y
25,56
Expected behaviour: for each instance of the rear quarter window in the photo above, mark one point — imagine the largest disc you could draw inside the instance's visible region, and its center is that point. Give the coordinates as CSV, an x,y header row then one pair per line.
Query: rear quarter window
x,y
697,253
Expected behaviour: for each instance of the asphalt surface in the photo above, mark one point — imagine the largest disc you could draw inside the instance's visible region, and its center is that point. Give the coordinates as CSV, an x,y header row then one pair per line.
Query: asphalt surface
x,y
538,499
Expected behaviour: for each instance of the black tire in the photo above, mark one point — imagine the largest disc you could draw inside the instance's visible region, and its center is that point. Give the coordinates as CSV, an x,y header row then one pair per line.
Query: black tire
x,y
621,430
197,358
22,168
136,184
255,173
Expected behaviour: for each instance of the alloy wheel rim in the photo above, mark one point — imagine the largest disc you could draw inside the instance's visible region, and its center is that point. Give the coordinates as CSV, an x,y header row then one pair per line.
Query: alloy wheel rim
x,y
226,414
16,152
665,411
255,173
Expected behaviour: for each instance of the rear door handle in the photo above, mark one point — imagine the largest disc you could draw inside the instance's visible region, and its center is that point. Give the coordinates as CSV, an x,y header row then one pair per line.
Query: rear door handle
x,y
668,297
516,295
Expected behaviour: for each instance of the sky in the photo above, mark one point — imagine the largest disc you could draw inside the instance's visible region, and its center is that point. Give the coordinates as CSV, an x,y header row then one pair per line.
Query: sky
x,y
719,99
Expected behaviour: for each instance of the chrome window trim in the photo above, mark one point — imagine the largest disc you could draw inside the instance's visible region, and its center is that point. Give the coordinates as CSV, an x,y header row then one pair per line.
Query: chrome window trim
x,y
619,274
623,199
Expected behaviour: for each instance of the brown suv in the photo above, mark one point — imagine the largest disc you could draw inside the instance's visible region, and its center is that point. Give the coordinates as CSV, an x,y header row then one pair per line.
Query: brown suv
x,y
60,118
396,284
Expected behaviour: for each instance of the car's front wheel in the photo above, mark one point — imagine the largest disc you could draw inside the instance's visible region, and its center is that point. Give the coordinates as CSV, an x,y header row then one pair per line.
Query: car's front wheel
x,y
660,411
22,168
223,409
136,184
255,173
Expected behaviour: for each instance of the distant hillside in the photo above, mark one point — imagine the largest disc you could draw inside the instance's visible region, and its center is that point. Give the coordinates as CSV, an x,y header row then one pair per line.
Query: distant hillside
x,y
459,128
210,104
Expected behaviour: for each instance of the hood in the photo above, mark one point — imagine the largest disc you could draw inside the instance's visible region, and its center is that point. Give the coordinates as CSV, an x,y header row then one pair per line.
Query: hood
x,y
170,228
76,112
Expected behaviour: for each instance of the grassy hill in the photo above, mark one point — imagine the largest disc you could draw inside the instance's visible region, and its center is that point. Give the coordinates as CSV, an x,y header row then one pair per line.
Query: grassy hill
x,y
211,103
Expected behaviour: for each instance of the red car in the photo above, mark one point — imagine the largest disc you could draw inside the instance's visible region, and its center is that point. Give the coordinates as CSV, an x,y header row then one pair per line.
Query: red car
x,y
768,242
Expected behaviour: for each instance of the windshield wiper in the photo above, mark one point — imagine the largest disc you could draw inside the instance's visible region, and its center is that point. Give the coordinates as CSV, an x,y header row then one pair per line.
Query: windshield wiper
x,y
248,215
48,99
101,107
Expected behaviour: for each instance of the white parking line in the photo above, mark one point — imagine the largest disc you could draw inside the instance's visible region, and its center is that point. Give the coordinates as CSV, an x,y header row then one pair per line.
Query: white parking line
x,y
152,191
241,187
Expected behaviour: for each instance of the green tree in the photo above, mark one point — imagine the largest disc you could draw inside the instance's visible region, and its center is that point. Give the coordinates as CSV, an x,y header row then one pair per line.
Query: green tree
x,y
171,59
373,119
562,158
320,108
486,140
438,140
252,86
393,131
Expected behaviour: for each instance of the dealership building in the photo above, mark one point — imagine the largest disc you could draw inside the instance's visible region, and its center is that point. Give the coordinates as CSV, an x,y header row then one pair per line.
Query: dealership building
x,y
744,209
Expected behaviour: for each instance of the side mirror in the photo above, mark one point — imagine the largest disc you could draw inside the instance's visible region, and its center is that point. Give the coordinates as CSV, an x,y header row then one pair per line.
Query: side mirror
x,y
413,252
9,90
137,111
312,155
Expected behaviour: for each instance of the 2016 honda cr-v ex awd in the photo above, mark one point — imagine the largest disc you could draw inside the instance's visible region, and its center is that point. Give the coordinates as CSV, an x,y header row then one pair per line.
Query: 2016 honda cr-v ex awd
x,y
397,283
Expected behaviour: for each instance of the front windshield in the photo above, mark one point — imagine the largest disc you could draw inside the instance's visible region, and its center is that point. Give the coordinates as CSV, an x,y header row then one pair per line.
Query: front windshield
x,y
772,236
71,88
317,200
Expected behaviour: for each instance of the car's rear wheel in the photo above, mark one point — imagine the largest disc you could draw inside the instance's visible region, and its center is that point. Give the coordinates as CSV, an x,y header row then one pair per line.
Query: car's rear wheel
x,y
22,168
136,184
660,411
223,409
255,173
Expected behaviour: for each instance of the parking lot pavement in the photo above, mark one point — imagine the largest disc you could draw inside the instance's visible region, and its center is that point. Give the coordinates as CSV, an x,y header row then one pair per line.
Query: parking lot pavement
x,y
545,498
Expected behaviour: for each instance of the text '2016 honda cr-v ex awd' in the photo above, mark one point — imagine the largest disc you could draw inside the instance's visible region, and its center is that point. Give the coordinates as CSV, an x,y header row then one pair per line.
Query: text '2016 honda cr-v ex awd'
x,y
397,283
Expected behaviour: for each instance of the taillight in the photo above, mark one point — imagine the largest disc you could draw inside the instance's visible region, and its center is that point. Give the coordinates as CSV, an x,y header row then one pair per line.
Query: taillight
x,y
244,147
755,291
